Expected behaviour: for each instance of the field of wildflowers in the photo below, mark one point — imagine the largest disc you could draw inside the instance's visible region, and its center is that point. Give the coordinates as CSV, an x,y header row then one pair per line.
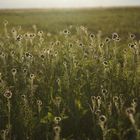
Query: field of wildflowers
x,y
71,85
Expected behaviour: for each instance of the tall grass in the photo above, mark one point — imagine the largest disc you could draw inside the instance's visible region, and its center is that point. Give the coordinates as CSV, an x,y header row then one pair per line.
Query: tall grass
x,y
73,84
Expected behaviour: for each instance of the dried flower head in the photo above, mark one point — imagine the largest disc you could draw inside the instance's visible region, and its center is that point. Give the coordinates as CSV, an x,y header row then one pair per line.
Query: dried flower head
x,y
105,63
92,36
115,99
98,112
131,45
19,37
93,98
5,22
57,129
58,100
107,40
66,32
115,36
25,71
132,36
12,53
23,96
104,91
102,118
70,45
57,120
14,71
42,56
8,94
39,102
40,33
101,45
32,76
130,111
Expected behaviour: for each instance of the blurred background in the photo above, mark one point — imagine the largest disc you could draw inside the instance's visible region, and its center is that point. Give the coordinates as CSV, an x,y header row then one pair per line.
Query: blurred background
x,y
65,3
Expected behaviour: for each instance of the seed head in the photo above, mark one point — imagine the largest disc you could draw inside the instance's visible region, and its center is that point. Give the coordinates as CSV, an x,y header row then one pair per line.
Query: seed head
x,y
107,40
32,76
132,36
39,102
102,118
115,99
130,111
115,36
14,71
8,94
92,36
57,120
57,129
5,22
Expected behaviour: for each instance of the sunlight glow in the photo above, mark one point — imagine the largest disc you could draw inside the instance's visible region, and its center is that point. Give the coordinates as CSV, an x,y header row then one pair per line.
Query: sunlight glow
x,y
65,3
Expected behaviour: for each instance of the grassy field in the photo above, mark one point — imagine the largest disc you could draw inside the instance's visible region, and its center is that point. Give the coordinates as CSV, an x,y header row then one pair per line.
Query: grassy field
x,y
70,74
111,20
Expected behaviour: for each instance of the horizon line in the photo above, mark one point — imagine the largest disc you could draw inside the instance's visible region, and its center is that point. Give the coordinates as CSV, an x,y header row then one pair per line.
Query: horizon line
x,y
87,7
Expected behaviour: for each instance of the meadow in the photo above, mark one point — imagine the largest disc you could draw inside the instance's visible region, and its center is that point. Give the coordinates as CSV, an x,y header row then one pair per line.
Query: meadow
x,y
70,74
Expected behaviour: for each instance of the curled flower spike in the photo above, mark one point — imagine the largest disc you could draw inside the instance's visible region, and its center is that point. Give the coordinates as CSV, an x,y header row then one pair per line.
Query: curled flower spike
x,y
14,71
70,45
40,33
104,91
107,40
92,36
32,76
93,98
115,99
99,101
130,111
57,120
27,54
66,32
23,96
58,81
2,55
42,56
32,35
5,22
102,118
131,45
56,53
125,51
115,36
101,45
81,45
58,100
39,102
8,94
132,36
12,53
98,97
19,38
25,71
57,43
26,36
57,129
135,100
98,112
4,133
105,63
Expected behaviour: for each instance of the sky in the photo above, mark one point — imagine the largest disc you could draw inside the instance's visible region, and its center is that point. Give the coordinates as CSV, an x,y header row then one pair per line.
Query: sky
x,y
65,3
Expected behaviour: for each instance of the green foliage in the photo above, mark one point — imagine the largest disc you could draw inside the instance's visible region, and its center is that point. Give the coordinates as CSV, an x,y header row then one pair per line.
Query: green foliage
x,y
68,81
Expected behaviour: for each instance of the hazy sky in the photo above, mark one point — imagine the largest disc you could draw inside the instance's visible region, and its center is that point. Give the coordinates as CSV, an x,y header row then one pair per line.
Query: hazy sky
x,y
65,3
